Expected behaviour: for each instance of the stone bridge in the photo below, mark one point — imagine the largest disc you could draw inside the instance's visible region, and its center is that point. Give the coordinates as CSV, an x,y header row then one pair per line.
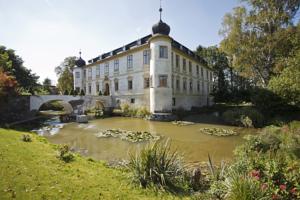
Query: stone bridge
x,y
87,102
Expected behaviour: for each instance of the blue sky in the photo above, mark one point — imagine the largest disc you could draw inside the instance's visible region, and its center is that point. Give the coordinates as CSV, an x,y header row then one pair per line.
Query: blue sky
x,y
44,32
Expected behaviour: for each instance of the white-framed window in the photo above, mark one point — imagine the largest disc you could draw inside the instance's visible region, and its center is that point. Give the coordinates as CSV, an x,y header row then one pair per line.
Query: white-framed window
x,y
98,71
130,84
129,61
202,88
184,84
207,75
90,73
116,85
90,88
97,87
178,84
146,82
163,80
177,62
201,72
106,69
77,74
197,69
191,85
184,65
172,59
163,52
198,86
146,57
190,67
116,65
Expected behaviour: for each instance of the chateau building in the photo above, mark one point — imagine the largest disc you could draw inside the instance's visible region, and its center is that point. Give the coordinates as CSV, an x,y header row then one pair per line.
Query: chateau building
x,y
155,71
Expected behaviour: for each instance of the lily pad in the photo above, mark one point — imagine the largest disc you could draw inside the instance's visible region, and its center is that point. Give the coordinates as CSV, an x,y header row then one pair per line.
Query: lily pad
x,y
218,132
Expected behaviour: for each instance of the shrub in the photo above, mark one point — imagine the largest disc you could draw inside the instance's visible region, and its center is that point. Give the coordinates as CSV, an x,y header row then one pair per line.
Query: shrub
x,y
180,113
26,138
267,101
246,117
142,112
66,92
82,93
64,153
100,93
157,165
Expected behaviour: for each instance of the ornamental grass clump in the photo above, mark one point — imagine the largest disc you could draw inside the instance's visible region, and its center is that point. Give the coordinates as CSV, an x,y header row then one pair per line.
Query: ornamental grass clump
x,y
157,165
26,138
64,153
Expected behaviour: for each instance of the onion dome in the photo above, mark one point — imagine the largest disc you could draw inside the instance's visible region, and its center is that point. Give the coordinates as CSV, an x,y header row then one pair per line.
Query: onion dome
x,y
80,62
161,27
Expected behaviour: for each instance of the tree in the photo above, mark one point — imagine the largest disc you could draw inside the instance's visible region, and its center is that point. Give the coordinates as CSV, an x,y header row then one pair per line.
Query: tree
x,y
8,85
47,84
82,93
65,74
256,38
12,65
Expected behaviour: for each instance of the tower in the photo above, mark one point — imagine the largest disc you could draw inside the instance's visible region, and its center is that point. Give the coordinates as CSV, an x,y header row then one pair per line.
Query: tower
x,y
160,68
78,73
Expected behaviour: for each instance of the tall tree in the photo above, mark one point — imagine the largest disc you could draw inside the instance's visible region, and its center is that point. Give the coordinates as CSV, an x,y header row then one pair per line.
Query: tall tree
x,y
47,84
12,65
257,37
65,74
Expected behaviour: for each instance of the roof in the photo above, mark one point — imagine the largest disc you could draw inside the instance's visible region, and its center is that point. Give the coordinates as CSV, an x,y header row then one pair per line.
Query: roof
x,y
143,41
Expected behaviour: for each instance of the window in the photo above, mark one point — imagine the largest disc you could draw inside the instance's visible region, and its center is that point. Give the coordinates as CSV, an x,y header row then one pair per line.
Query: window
x,y
77,74
198,86
146,54
77,89
90,73
116,65
116,85
177,62
129,62
163,80
129,84
190,67
97,87
184,65
201,72
184,84
146,82
173,101
197,69
90,88
132,100
172,59
98,71
191,85
172,82
206,74
84,73
163,52
202,89
106,69
178,84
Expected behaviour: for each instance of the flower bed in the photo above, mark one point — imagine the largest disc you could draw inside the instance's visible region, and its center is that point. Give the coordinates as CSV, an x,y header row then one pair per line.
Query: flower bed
x,y
131,136
218,132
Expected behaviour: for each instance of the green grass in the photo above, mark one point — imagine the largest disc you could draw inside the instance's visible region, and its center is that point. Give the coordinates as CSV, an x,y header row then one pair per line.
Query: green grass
x,y
31,170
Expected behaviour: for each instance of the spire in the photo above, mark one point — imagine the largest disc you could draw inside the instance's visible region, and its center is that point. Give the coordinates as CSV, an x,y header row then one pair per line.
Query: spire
x,y
79,53
160,10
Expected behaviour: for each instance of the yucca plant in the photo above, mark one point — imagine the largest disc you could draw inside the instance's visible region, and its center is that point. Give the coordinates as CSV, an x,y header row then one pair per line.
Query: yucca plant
x,y
157,165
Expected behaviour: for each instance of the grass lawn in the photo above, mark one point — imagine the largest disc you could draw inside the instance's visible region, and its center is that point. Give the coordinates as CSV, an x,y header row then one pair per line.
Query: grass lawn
x,y
31,170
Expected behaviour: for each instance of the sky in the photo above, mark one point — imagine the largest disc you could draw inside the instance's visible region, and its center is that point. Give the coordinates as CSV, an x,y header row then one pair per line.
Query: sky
x,y
44,32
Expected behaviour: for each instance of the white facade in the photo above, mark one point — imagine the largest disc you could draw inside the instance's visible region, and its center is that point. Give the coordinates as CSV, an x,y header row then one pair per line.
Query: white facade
x,y
155,72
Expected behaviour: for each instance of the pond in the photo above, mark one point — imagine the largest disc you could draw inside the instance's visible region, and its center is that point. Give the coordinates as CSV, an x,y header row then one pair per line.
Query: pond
x,y
188,140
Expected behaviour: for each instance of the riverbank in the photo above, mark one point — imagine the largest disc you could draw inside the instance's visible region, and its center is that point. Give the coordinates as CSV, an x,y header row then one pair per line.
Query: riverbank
x,y
31,170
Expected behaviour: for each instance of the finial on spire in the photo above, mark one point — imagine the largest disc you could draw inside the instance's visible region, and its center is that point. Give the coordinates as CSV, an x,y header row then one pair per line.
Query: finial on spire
x,y
160,10
79,53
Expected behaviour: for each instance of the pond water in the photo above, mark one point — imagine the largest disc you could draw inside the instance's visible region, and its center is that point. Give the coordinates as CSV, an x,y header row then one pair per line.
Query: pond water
x,y
188,140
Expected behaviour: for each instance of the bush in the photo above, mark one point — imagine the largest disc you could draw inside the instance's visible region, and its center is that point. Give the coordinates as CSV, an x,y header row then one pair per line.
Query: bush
x,y
142,112
82,93
26,138
180,113
246,117
64,154
100,93
157,165
66,92
52,105
267,101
